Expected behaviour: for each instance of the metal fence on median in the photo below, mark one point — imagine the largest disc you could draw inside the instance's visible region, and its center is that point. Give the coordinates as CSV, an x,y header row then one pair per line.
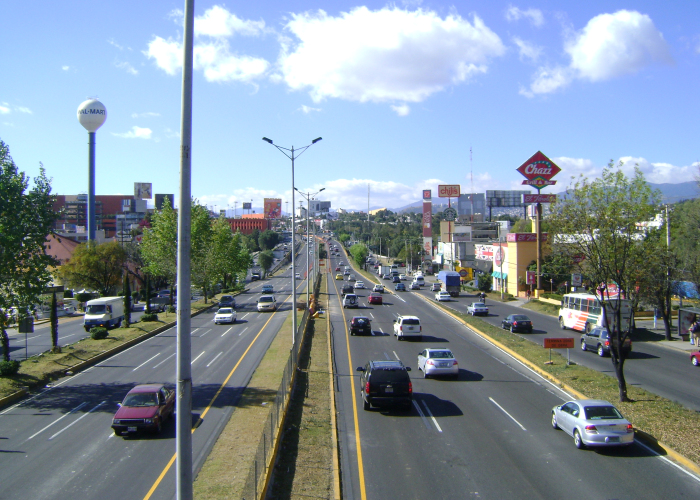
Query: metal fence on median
x,y
263,463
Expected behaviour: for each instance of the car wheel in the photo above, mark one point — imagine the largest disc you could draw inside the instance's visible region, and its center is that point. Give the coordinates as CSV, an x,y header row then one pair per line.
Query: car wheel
x,y
365,405
159,427
561,324
583,345
554,421
425,374
601,351
512,330
695,361
117,433
578,442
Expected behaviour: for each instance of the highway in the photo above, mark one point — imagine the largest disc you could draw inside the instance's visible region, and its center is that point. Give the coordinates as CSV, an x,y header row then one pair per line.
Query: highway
x,y
485,435
59,444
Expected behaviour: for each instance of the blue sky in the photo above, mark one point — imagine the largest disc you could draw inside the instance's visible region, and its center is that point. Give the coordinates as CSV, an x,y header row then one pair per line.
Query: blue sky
x,y
400,93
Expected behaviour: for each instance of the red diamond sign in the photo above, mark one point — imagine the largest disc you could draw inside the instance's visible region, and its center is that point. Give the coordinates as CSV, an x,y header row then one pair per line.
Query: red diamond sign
x,y
541,168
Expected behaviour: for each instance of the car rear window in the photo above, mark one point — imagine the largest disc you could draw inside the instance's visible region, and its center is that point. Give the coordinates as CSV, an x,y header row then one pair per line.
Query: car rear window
x,y
602,413
520,317
389,375
441,354
411,321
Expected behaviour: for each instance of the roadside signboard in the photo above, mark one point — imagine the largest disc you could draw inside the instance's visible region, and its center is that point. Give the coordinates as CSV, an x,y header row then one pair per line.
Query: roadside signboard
x,y
559,343
539,170
539,198
576,279
448,191
531,277
450,214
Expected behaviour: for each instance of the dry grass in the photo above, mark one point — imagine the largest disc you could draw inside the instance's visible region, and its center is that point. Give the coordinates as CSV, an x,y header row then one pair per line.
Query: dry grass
x,y
665,420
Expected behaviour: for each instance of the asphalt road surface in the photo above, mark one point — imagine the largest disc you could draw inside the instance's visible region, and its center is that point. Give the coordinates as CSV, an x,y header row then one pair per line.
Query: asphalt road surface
x,y
485,435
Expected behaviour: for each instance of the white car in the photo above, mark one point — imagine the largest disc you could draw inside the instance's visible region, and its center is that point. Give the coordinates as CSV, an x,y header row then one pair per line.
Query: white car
x,y
593,422
407,326
443,296
378,288
225,315
359,284
297,276
267,303
403,277
438,361
478,309
435,287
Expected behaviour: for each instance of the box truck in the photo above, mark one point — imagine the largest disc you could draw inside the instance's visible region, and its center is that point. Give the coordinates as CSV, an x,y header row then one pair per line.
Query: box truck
x,y
105,311
450,282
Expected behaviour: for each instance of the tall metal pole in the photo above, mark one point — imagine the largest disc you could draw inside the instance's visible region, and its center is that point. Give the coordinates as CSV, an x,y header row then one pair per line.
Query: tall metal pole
x,y
91,187
294,268
184,348
538,221
308,203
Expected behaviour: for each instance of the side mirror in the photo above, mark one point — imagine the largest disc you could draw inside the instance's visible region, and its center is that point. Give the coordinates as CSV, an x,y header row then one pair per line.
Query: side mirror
x,y
360,369
408,368
394,321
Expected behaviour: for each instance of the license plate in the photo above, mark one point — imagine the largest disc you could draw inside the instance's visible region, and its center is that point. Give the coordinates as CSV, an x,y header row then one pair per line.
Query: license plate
x,y
388,389
131,429
613,440
444,365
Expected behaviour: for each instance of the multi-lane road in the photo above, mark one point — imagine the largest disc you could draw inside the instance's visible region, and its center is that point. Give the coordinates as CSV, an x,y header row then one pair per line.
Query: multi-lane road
x,y
485,435
58,443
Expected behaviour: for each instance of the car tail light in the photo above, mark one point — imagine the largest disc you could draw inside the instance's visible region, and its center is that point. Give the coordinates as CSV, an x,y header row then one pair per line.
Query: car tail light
x,y
607,343
367,388
515,323
430,362
591,429
420,328
630,428
410,387
454,363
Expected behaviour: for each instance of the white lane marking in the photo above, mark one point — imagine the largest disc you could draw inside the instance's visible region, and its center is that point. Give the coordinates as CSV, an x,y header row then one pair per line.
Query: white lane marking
x,y
431,415
509,415
145,362
246,314
202,335
66,336
388,358
422,416
669,461
77,420
230,328
58,420
215,358
195,359
397,296
156,366
29,338
371,315
243,331
397,356
193,331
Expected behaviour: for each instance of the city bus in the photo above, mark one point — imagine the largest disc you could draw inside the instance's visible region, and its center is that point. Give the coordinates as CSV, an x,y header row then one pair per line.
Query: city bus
x,y
582,311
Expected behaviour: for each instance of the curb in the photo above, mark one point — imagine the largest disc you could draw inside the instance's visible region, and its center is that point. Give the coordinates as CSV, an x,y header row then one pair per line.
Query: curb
x,y
71,370
649,440
334,424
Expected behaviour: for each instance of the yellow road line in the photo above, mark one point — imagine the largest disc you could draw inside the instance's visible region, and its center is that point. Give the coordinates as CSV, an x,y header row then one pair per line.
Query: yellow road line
x,y
211,403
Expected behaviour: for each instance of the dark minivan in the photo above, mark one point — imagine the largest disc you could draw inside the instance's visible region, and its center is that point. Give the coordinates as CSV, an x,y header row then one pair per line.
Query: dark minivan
x,y
385,383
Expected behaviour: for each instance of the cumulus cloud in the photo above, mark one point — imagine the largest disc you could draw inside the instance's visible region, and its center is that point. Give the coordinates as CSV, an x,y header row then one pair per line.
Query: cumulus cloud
x,y
22,109
212,52
135,133
127,67
384,55
659,173
527,50
4,109
573,167
308,109
609,46
65,68
401,110
533,15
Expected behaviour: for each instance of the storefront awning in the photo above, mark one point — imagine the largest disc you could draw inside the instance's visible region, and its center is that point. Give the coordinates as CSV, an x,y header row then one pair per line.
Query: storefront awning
x,y
497,274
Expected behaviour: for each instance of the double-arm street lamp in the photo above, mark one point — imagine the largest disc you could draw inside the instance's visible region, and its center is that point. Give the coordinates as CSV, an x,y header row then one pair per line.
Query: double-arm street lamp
x,y
293,154
308,196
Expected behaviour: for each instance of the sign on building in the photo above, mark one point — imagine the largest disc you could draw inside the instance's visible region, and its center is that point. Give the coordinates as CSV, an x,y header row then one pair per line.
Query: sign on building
x,y
143,190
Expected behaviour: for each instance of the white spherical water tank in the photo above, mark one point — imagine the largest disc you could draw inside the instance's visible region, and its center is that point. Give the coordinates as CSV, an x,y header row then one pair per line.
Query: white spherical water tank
x,y
92,114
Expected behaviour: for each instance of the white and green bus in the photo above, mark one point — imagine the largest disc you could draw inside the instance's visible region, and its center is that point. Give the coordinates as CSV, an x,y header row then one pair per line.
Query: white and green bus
x,y
583,311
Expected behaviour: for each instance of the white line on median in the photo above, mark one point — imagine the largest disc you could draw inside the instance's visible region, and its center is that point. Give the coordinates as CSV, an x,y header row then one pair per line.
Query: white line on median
x,y
195,359
145,362
58,420
77,420
511,416
156,366
215,358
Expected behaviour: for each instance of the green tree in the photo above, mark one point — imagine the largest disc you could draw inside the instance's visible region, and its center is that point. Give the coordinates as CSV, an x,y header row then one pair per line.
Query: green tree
x,y
599,220
268,240
159,244
95,266
202,263
26,219
265,260
359,253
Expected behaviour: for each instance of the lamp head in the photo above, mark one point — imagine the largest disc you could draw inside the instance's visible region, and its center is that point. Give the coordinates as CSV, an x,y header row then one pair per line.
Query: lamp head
x,y
267,140
316,140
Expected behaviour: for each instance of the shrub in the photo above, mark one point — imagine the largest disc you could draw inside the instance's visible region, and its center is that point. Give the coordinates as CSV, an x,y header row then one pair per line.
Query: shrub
x,y
98,333
149,317
8,368
170,309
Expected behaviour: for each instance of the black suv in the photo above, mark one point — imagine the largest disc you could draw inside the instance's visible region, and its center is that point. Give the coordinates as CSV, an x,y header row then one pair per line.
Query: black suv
x,y
360,325
385,383
227,301
348,289
599,340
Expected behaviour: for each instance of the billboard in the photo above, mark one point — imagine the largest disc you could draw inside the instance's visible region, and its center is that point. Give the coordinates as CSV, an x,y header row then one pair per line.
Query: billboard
x,y
448,191
539,198
160,198
143,190
503,198
247,206
461,233
539,170
272,208
427,219
427,248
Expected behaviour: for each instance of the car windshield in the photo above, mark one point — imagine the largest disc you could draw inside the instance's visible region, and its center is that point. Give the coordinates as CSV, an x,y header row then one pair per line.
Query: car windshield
x,y
602,413
440,354
225,310
96,309
226,298
478,304
141,399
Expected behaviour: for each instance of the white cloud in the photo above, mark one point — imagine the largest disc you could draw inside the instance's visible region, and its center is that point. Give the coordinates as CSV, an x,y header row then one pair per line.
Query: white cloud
x,y
4,109
218,22
401,110
527,50
135,133
112,42
167,54
533,15
65,68
609,46
384,55
148,114
573,167
22,109
127,67
659,173
308,109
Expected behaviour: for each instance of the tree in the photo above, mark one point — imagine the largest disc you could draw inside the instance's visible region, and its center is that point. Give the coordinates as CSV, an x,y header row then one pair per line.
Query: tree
x,y
268,240
359,253
159,244
201,263
95,266
265,260
26,219
127,300
599,220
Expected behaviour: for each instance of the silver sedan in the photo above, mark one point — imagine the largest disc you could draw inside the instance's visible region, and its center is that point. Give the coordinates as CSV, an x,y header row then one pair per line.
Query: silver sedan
x,y
593,422
437,361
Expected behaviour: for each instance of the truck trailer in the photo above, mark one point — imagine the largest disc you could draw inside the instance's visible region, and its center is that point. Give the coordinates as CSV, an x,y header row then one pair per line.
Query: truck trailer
x,y
450,282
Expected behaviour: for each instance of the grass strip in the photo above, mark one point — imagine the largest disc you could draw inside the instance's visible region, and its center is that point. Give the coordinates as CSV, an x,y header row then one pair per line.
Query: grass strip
x,y
665,420
304,467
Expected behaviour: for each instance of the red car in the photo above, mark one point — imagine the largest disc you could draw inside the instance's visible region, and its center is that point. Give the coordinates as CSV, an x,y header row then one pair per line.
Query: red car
x,y
145,406
375,298
337,268
695,358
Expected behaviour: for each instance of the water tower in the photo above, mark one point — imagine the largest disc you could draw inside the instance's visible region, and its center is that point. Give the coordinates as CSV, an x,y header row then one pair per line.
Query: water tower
x,y
91,115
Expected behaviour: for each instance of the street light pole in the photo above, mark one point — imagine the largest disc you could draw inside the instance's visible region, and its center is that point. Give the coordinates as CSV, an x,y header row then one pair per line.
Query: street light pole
x,y
308,196
292,157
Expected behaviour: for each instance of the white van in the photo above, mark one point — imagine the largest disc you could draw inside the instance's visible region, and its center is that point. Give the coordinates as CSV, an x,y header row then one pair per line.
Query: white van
x,y
419,279
105,311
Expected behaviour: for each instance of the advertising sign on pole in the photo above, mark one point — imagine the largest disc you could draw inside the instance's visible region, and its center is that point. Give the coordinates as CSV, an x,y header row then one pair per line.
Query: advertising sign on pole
x,y
448,190
143,190
539,167
531,277
427,248
539,198
576,279
272,208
